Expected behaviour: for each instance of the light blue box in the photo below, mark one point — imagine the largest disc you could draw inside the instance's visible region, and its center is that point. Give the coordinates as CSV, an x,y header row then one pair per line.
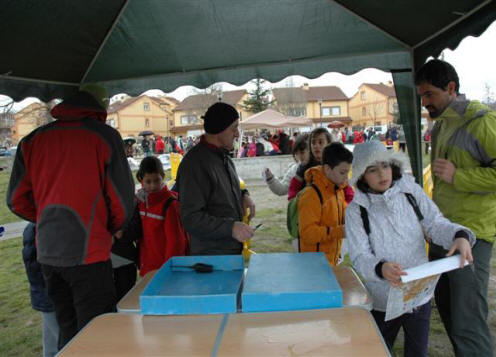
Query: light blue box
x,y
290,281
176,290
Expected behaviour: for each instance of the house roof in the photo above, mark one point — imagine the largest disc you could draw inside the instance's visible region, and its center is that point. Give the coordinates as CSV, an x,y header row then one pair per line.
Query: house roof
x,y
114,108
203,101
312,94
382,88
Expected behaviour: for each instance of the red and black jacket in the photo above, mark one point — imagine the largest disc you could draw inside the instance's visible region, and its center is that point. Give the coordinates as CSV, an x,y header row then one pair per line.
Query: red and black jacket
x,y
163,233
72,178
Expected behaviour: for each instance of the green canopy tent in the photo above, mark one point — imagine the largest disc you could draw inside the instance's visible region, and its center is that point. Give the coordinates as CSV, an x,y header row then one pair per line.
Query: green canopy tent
x,y
50,47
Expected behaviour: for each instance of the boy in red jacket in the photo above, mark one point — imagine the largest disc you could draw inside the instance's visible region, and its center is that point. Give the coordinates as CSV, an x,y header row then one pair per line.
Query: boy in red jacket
x,y
163,232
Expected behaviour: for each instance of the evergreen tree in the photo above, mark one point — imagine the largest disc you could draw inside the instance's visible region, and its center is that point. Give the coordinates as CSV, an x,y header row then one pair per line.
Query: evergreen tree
x,y
258,99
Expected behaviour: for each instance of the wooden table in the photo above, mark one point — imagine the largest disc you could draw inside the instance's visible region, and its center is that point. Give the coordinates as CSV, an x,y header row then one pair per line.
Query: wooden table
x,y
137,335
331,332
354,293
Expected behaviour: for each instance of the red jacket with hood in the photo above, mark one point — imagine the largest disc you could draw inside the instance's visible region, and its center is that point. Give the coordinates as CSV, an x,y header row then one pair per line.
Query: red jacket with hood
x,y
163,232
72,178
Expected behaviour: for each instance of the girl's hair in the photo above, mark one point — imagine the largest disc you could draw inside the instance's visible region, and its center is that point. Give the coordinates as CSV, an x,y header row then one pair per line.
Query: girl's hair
x,y
150,165
363,186
301,144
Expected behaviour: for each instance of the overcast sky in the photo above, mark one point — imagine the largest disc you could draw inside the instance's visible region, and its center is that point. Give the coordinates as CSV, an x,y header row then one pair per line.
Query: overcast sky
x,y
474,60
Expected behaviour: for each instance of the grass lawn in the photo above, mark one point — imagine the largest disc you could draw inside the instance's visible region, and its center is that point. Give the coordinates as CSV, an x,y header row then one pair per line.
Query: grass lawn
x,y
5,215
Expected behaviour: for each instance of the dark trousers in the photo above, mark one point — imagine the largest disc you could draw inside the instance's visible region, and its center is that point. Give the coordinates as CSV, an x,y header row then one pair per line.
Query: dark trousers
x,y
124,279
461,299
79,293
415,326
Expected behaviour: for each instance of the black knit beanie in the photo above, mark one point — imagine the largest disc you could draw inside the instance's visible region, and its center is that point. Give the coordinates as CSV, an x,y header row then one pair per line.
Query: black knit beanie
x,y
218,117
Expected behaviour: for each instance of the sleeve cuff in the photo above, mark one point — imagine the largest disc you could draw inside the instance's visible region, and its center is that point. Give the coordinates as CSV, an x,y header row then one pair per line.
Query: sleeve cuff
x,y
462,234
378,269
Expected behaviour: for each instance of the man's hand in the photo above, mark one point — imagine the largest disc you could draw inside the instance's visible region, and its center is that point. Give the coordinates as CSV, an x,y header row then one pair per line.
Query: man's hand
x,y
444,169
241,231
248,204
392,272
463,246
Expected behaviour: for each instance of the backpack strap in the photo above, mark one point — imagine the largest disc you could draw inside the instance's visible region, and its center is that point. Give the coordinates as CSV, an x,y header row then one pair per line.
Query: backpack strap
x,y
365,219
318,193
167,204
411,200
414,205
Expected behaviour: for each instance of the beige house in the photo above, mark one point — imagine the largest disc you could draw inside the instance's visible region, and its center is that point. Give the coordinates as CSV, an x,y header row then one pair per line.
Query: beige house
x,y
374,104
320,104
28,119
187,115
136,114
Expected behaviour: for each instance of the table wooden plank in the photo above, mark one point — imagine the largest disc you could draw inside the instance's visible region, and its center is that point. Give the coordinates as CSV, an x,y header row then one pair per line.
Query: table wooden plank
x,y
137,335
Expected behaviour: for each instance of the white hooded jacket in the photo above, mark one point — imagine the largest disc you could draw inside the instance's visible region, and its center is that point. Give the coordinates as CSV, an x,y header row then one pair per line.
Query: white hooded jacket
x,y
396,235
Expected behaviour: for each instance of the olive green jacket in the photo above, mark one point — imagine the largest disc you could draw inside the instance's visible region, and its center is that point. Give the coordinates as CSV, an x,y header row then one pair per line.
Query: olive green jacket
x,y
465,134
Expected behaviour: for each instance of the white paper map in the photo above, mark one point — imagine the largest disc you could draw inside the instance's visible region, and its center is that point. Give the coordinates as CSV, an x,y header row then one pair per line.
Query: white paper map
x,y
418,286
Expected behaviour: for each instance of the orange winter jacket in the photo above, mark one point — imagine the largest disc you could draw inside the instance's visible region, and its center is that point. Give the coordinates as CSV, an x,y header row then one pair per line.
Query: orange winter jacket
x,y
321,226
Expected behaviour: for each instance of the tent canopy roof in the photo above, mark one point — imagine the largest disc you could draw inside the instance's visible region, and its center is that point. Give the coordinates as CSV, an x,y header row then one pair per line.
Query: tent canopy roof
x,y
270,118
52,46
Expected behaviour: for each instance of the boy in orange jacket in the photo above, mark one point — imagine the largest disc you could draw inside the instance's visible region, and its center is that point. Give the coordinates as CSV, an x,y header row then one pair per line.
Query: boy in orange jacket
x,y
321,206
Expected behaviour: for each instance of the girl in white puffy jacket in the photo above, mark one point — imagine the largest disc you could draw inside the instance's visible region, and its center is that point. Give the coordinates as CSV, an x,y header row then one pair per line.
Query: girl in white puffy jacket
x,y
394,238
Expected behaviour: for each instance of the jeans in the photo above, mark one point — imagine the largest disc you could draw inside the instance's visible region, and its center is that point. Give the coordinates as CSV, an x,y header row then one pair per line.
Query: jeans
x,y
79,293
50,332
415,325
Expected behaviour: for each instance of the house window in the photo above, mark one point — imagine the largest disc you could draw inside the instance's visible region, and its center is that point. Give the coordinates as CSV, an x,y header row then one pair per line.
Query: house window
x,y
395,108
146,107
335,111
188,119
363,96
147,123
364,112
327,111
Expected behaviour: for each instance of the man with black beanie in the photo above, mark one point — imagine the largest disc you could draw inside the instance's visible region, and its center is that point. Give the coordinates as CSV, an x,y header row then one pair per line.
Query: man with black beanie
x,y
212,203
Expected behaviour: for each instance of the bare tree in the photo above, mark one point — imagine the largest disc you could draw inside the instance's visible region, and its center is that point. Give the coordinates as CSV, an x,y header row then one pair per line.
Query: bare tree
x,y
489,96
374,111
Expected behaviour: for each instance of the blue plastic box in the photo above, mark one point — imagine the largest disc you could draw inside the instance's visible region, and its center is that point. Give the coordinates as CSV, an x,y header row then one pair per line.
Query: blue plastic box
x,y
176,290
290,281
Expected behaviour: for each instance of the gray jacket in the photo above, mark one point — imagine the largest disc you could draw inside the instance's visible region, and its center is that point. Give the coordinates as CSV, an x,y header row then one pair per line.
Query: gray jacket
x,y
396,235
210,199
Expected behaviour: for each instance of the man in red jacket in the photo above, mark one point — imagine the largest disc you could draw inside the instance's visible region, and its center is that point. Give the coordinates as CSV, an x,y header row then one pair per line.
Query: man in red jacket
x,y
72,179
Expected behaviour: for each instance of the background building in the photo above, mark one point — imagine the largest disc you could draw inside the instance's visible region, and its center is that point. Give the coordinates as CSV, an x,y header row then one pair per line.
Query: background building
x,y
187,115
320,104
136,114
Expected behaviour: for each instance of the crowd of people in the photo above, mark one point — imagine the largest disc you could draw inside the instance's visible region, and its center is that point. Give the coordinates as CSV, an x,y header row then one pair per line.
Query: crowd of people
x,y
91,241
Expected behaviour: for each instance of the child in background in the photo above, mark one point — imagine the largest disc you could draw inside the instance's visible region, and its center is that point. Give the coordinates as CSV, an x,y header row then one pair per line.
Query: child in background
x,y
319,138
301,155
322,204
40,300
163,232
398,211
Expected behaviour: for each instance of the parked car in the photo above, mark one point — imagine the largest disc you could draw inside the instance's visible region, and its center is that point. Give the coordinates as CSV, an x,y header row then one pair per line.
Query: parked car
x,y
4,151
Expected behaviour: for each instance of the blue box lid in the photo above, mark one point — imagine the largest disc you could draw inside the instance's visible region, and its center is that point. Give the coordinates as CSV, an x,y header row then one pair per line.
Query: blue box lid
x,y
176,289
290,281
